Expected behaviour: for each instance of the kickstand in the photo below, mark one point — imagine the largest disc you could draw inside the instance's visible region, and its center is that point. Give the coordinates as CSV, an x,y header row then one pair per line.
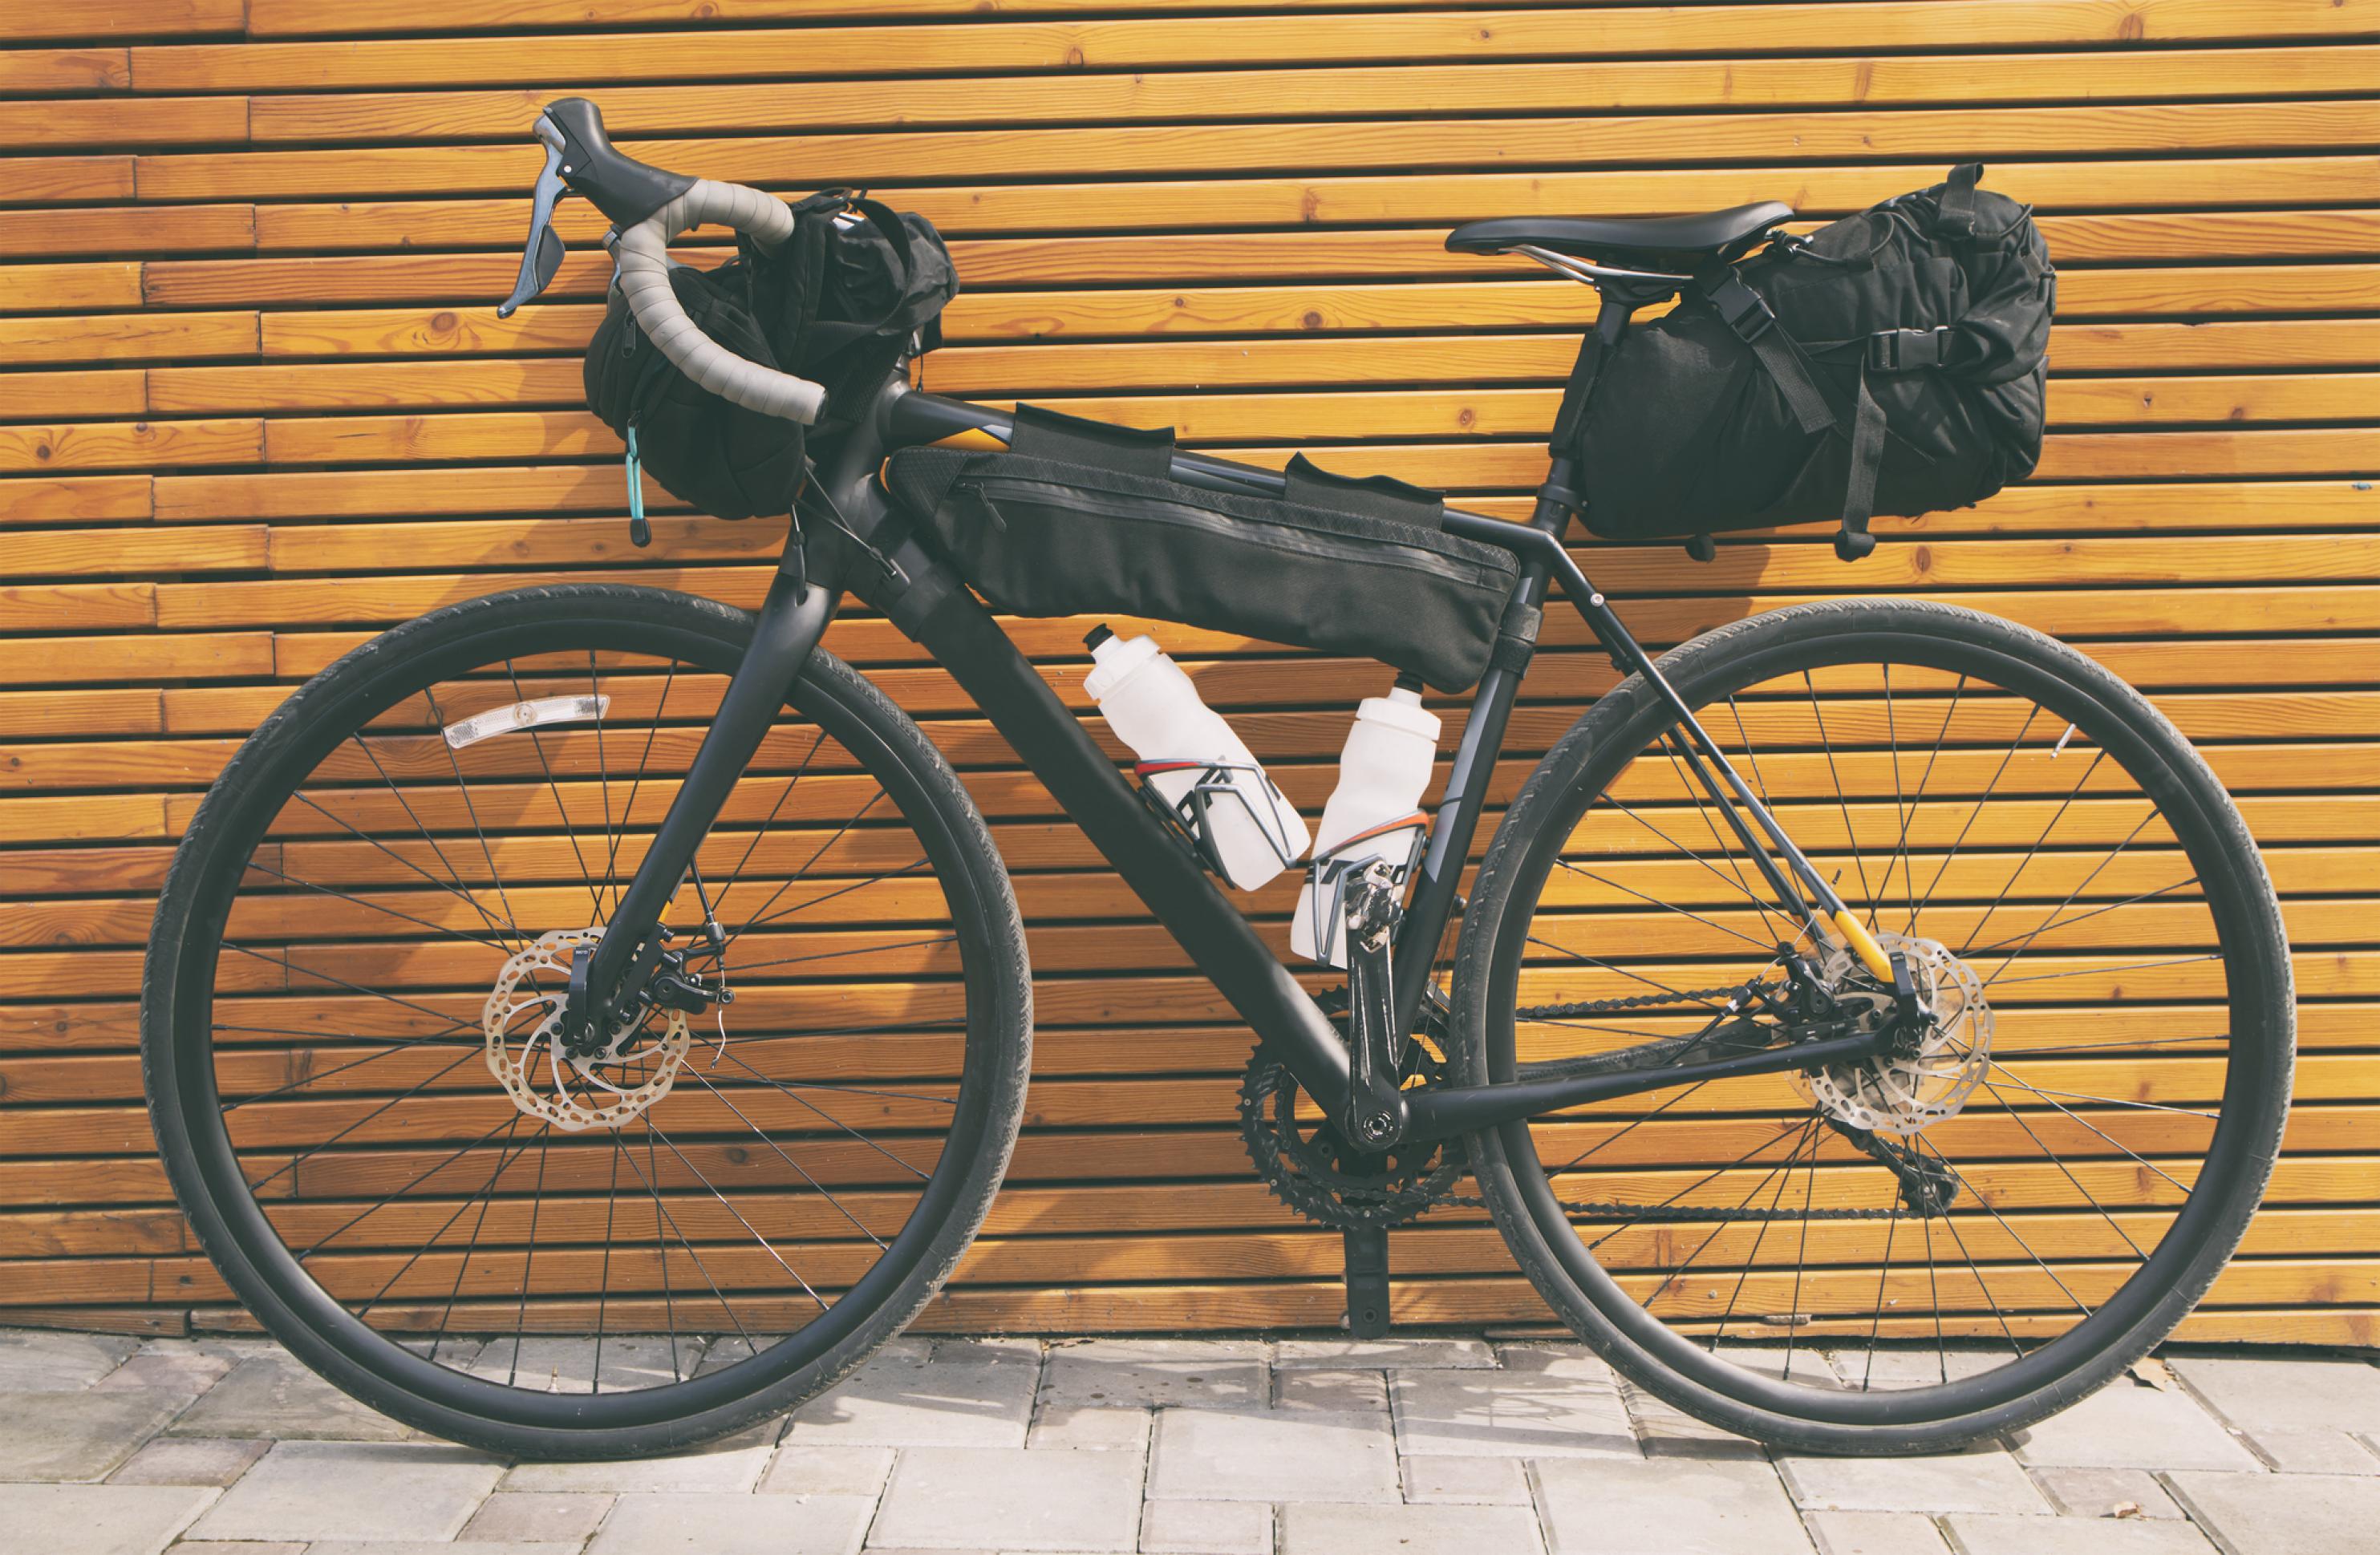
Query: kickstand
x,y
1368,1281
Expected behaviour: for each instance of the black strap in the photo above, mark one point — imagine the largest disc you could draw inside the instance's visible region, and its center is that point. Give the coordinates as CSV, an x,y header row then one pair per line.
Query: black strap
x,y
1374,496
1853,540
1516,637
1576,392
1957,205
1049,435
1748,314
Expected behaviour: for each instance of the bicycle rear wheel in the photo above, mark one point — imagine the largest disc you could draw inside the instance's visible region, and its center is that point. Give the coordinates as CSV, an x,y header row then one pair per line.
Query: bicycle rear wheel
x,y
2102,1095
348,1030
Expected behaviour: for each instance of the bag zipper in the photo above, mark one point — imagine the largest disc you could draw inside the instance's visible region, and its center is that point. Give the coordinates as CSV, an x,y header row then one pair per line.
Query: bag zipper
x,y
1378,551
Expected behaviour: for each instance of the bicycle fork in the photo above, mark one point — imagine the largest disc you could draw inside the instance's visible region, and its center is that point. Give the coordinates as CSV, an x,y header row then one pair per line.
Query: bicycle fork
x,y
607,980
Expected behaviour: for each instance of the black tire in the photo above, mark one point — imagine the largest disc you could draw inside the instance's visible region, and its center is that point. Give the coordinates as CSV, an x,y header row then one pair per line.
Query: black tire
x,y
283,789
1673,1337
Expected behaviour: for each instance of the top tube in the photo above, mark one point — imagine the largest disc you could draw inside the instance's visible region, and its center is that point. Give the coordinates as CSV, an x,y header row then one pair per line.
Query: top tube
x,y
915,418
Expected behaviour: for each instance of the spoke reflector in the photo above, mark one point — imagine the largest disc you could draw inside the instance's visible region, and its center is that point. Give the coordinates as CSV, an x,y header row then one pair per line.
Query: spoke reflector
x,y
526,715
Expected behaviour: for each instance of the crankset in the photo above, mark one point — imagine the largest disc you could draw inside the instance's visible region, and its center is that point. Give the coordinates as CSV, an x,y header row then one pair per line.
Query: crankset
x,y
1310,1164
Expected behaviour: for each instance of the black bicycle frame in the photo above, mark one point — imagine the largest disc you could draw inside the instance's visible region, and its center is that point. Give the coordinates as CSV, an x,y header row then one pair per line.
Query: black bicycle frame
x,y
968,643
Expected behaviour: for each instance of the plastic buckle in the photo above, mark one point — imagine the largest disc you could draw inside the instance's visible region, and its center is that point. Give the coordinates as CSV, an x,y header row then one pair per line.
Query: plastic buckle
x,y
1901,350
1743,310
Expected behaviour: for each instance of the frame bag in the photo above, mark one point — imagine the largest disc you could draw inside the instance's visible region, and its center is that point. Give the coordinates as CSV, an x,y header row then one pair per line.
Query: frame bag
x,y
1078,517
839,302
1891,362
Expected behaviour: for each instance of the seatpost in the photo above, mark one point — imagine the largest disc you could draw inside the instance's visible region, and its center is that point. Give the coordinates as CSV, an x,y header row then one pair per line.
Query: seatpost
x,y
1559,497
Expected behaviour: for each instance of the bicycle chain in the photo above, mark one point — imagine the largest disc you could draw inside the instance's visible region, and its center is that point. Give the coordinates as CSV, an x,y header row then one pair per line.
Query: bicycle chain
x,y
1612,1209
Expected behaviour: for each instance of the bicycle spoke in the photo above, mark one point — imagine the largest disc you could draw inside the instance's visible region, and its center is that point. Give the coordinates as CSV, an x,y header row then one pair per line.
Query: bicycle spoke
x,y
1882,1276
1834,774
1587,960
2104,971
405,1095
385,1050
2035,851
1760,946
826,1115
780,1152
380,908
486,1197
730,1205
2047,925
1784,1175
410,814
455,889
1918,800
471,809
536,744
755,920
308,1251
2065,1171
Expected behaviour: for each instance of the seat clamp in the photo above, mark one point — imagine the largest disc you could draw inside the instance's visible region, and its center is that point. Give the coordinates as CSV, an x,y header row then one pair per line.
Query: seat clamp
x,y
1905,350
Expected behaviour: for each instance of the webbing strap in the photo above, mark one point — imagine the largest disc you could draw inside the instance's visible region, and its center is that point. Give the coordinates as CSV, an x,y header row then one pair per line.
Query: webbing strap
x,y
1859,482
1958,202
1516,637
1576,392
1747,313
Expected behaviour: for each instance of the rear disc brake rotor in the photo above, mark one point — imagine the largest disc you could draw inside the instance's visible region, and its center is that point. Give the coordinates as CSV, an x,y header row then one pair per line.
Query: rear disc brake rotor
x,y
1911,1087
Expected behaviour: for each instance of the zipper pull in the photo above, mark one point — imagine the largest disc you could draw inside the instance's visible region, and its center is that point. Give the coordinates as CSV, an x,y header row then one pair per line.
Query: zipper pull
x,y
640,533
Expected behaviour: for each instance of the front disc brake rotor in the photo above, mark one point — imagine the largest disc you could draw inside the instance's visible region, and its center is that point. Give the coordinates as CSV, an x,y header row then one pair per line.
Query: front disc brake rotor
x,y
573,1094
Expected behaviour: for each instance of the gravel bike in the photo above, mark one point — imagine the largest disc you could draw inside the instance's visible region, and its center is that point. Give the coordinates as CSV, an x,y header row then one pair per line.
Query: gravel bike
x,y
588,1019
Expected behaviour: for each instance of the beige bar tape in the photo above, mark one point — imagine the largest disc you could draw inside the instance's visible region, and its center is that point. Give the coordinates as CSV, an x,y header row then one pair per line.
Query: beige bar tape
x,y
642,255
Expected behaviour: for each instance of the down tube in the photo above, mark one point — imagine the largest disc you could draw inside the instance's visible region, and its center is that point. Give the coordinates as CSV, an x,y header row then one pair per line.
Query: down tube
x,y
968,643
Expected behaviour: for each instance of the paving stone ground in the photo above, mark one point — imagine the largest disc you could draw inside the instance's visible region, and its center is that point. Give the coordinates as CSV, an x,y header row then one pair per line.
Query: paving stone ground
x,y
1295,1446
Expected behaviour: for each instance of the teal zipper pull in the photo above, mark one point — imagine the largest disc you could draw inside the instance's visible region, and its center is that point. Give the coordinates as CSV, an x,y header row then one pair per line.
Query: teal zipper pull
x,y
639,532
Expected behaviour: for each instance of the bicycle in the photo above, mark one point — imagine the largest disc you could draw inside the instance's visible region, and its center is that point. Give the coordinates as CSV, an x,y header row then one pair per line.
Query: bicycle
x,y
1671,1043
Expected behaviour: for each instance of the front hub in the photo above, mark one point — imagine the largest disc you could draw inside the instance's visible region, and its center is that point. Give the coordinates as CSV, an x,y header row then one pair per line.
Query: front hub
x,y
600,1084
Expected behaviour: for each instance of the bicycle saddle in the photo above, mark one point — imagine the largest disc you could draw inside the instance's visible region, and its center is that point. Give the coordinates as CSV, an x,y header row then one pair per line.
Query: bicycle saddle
x,y
1644,242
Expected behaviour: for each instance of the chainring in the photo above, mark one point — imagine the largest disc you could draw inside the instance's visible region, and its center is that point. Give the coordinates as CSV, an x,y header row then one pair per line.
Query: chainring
x,y
1309,1165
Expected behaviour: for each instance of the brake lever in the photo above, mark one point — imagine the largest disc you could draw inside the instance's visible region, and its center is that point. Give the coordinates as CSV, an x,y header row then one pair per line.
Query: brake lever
x,y
541,256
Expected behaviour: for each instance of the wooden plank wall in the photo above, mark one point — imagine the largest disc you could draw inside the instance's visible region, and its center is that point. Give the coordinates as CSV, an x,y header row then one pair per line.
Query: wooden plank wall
x,y
255,403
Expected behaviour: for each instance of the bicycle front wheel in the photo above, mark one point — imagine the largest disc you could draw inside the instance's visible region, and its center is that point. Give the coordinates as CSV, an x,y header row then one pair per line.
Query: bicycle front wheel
x,y
1898,1256
411,1178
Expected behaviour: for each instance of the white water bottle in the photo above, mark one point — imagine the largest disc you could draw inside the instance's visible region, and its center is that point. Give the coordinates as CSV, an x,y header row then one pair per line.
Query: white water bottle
x,y
1374,814
1251,832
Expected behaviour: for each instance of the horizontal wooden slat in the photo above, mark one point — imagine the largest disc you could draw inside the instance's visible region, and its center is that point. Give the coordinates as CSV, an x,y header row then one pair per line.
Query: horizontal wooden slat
x,y
867,156
1507,34
1079,97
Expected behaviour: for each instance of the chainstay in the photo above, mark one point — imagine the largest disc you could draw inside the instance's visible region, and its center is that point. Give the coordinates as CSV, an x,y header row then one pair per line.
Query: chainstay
x,y
1612,1208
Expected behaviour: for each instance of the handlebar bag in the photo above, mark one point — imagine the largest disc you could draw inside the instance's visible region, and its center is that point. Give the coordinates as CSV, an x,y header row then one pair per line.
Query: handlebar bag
x,y
1891,362
843,300
838,303
1080,518
722,459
